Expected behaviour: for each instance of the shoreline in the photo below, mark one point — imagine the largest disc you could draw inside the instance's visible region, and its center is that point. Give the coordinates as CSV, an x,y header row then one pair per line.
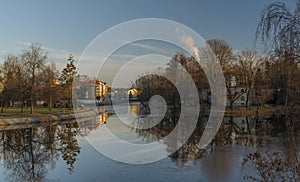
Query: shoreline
x,y
90,114
251,111
49,118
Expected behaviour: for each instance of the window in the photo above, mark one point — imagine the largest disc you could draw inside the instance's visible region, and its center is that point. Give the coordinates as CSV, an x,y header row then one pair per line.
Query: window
x,y
243,98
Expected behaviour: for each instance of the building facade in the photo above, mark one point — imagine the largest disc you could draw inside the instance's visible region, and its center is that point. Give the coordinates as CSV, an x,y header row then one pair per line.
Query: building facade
x,y
240,92
92,88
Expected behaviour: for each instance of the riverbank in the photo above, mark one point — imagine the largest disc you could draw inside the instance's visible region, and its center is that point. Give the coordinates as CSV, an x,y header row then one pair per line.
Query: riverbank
x,y
65,115
47,118
250,111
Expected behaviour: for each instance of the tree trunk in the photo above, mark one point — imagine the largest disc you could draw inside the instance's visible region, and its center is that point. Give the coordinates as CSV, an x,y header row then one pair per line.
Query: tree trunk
x,y
31,101
231,104
70,98
248,126
31,104
247,97
31,93
2,106
32,157
22,100
50,99
22,105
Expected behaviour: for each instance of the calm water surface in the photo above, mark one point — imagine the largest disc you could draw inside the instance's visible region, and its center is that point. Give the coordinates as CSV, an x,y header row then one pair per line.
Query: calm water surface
x,y
60,152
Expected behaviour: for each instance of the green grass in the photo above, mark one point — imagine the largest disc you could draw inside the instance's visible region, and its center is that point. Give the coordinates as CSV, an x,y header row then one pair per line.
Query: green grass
x,y
16,112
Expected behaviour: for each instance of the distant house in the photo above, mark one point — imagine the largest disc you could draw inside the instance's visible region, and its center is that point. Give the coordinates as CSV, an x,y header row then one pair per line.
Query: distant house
x,y
92,88
133,94
134,91
241,123
241,97
240,101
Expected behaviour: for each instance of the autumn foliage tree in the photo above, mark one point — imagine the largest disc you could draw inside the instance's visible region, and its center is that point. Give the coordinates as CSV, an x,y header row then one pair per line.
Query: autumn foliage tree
x,y
10,72
27,78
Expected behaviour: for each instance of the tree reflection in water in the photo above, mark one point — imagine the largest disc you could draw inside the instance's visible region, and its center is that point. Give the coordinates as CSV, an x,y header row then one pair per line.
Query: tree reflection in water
x,y
27,153
189,151
242,131
245,131
68,145
283,164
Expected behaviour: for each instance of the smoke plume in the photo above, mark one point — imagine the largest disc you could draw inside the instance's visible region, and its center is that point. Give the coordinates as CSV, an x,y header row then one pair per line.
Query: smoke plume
x,y
189,42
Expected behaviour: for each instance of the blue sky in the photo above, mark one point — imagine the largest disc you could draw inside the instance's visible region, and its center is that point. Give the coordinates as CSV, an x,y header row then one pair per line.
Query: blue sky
x,y
69,26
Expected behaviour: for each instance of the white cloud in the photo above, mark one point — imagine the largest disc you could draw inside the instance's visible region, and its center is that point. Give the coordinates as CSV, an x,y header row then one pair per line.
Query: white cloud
x,y
24,43
3,51
153,48
124,56
90,63
57,55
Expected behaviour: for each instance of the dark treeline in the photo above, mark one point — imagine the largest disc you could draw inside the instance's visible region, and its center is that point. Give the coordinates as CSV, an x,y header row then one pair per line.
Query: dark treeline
x,y
154,84
279,30
271,79
29,78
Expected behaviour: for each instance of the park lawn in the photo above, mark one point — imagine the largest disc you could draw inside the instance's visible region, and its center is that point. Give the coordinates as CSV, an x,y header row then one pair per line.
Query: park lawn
x,y
16,112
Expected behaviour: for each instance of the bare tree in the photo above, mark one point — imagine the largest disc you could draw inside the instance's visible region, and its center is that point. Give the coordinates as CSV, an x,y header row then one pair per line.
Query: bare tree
x,y
222,50
248,65
279,28
34,58
225,56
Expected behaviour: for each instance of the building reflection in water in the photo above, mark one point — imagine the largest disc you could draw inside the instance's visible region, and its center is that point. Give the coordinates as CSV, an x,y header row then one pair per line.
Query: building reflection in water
x,y
104,117
136,110
93,124
29,152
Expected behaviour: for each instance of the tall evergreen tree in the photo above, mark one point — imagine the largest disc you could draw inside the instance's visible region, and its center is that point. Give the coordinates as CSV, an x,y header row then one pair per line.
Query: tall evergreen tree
x,y
67,78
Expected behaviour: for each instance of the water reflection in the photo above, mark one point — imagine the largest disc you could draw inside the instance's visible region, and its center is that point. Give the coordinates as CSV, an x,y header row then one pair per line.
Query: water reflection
x,y
68,145
245,131
28,153
256,132
22,155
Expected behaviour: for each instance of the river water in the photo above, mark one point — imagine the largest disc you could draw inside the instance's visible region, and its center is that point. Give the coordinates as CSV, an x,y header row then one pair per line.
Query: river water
x,y
61,152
